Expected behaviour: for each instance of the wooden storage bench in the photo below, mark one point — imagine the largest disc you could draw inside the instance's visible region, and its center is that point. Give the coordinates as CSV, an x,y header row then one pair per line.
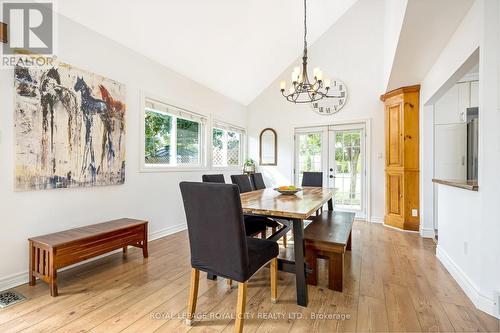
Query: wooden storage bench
x,y
328,237
50,252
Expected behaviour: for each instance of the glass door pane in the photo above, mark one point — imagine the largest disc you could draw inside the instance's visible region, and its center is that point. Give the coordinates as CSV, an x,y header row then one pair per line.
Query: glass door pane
x,y
347,168
308,153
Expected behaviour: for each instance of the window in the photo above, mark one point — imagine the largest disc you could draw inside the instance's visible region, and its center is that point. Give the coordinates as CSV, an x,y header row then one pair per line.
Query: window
x,y
173,136
227,145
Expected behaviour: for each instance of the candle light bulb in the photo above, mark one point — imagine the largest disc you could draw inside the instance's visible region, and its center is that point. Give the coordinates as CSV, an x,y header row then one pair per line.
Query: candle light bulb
x,y
319,75
282,85
327,83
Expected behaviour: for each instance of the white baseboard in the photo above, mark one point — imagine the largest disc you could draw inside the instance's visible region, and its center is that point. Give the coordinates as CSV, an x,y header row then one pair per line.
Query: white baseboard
x,y
167,231
376,219
18,279
427,233
472,291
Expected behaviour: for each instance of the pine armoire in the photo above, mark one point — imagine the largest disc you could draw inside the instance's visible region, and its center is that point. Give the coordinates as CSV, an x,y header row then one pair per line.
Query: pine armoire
x,y
402,208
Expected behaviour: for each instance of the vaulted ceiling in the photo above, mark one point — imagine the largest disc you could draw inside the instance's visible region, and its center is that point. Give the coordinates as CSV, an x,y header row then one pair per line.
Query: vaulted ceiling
x,y
234,47
427,27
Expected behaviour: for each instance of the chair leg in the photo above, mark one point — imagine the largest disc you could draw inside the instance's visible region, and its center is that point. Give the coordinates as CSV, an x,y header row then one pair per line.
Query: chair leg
x,y
284,241
274,280
240,307
229,283
193,295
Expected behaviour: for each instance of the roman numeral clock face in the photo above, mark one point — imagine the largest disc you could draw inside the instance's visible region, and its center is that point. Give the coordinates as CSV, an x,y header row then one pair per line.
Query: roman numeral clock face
x,y
332,105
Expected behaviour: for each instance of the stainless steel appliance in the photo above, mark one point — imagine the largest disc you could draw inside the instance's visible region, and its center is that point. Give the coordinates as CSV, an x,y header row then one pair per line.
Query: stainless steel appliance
x,y
472,142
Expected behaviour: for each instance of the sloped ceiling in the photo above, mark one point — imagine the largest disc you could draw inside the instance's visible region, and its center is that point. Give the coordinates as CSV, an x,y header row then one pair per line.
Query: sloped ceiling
x,y
234,47
427,27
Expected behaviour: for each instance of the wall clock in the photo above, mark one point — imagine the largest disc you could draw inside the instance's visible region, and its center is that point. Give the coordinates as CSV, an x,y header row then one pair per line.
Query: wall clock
x,y
332,105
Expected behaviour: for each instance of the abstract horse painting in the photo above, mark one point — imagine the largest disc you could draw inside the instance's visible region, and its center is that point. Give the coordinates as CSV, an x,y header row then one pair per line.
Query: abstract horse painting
x,y
70,128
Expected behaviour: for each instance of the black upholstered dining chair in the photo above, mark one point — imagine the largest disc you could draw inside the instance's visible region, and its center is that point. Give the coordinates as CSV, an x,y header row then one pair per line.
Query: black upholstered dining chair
x,y
258,181
218,178
314,179
252,227
244,184
215,226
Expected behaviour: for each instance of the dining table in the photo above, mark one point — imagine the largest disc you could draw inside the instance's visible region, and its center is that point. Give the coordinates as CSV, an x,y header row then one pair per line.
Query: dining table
x,y
290,211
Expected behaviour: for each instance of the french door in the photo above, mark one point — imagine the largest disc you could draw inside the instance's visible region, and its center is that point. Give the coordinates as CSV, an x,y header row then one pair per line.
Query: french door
x,y
339,152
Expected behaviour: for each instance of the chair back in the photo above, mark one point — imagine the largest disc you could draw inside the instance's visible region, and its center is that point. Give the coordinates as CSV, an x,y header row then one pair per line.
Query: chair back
x,y
243,183
314,179
216,229
219,178
258,181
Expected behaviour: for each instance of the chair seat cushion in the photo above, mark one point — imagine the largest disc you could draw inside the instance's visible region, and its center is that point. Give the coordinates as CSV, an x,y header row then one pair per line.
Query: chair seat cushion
x,y
260,251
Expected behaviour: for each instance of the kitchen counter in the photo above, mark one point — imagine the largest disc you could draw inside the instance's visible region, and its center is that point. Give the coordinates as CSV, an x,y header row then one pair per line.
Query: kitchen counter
x,y
470,185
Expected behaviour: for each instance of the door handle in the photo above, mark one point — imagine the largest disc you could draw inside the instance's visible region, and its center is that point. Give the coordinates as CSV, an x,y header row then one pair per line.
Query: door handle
x,y
331,176
331,169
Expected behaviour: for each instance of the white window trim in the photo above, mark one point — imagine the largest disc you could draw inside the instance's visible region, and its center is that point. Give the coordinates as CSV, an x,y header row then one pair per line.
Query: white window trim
x,y
145,168
219,124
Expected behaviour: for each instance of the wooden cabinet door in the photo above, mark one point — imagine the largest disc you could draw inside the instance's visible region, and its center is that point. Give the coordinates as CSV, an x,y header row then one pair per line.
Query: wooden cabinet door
x,y
394,135
395,200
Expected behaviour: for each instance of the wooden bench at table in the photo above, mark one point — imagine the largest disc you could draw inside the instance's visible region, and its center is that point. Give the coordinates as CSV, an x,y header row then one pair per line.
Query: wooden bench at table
x,y
50,252
328,237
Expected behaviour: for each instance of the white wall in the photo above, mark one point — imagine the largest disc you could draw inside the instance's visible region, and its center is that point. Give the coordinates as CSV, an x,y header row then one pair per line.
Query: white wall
x,y
393,22
151,196
455,60
469,228
351,51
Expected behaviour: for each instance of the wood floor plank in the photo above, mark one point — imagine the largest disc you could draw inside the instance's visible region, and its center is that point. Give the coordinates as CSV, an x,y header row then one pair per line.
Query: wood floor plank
x,y
401,314
372,315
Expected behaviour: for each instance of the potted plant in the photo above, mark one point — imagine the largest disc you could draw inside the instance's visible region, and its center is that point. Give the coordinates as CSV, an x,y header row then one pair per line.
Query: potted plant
x,y
249,166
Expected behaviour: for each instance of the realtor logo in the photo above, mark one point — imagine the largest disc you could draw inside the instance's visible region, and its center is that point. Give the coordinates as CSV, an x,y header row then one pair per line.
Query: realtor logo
x,y
30,27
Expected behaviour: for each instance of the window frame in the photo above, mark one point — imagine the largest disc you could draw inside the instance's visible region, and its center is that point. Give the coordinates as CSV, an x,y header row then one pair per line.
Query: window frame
x,y
204,126
222,125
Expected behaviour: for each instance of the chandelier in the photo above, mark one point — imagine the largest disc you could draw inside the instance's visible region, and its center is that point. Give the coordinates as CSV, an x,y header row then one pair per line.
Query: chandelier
x,y
302,89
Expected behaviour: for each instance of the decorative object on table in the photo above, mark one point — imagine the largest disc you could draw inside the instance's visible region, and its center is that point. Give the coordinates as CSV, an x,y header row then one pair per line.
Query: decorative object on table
x,y
3,33
288,190
268,147
303,90
249,166
69,128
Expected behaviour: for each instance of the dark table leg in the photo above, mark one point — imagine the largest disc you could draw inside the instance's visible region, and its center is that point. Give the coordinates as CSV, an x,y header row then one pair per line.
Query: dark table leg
x,y
300,271
330,204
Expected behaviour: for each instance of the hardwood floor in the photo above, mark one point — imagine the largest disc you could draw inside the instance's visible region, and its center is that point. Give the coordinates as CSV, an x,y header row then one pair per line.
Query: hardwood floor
x,y
393,282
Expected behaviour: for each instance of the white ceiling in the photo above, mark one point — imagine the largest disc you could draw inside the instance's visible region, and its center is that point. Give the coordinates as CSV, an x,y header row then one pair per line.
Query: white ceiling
x,y
427,27
234,47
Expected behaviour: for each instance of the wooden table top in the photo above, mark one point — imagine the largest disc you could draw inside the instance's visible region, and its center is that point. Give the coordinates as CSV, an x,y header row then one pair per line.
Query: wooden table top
x,y
68,236
299,206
